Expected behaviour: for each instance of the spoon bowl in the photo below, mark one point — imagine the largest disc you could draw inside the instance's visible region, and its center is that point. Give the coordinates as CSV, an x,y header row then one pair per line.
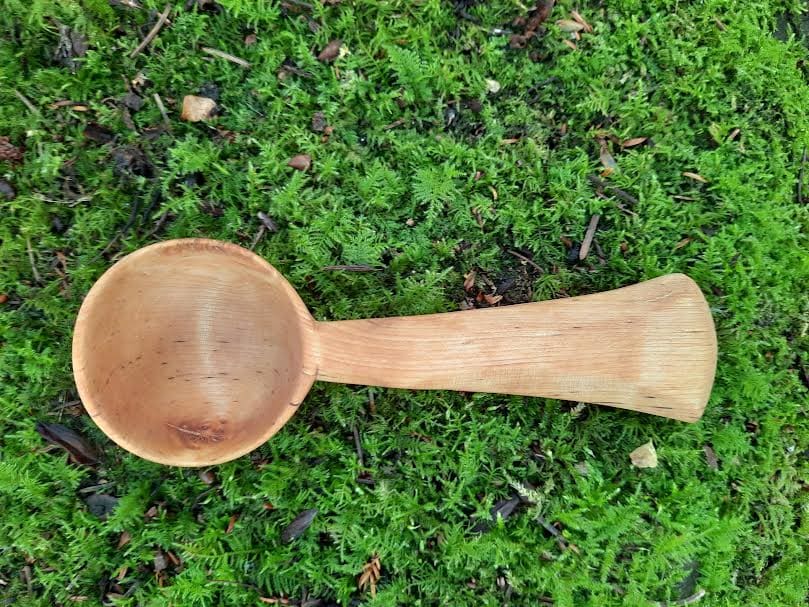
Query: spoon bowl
x,y
192,352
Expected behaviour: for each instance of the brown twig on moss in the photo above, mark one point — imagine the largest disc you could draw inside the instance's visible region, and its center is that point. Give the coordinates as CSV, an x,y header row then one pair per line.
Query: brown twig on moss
x,y
161,21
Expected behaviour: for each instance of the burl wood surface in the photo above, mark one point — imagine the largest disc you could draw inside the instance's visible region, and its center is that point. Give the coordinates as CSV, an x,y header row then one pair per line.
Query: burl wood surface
x,y
194,352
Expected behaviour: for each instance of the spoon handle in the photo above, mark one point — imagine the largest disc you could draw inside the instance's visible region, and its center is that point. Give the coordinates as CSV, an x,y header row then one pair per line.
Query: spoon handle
x,y
649,347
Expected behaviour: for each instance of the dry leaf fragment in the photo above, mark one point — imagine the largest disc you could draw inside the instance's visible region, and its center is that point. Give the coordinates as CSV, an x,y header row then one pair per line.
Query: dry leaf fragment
x,y
250,39
318,122
492,299
124,539
606,158
369,577
131,101
151,512
63,103
232,523
587,27
331,51
502,509
710,457
536,18
207,477
79,449
695,176
9,151
682,243
160,562
733,134
97,133
644,456
8,192
101,505
175,560
196,109
469,280
492,86
566,25
631,143
139,80
301,162
72,45
570,44
296,528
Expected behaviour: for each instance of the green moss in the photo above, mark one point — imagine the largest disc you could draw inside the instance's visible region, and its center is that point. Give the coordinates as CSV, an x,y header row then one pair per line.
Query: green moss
x,y
405,180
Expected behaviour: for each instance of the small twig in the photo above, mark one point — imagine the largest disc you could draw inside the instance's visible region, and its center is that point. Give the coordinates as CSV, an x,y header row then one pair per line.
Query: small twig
x,y
155,199
261,230
358,445
135,585
358,267
682,602
27,103
464,14
225,56
371,402
599,250
25,574
551,529
159,103
232,583
800,176
205,493
159,224
290,67
601,184
394,124
65,405
34,270
164,16
557,534
527,260
625,196
124,230
588,237
70,203
267,225
267,221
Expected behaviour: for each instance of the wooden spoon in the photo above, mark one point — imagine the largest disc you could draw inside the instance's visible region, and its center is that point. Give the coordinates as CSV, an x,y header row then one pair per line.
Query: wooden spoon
x,y
194,352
